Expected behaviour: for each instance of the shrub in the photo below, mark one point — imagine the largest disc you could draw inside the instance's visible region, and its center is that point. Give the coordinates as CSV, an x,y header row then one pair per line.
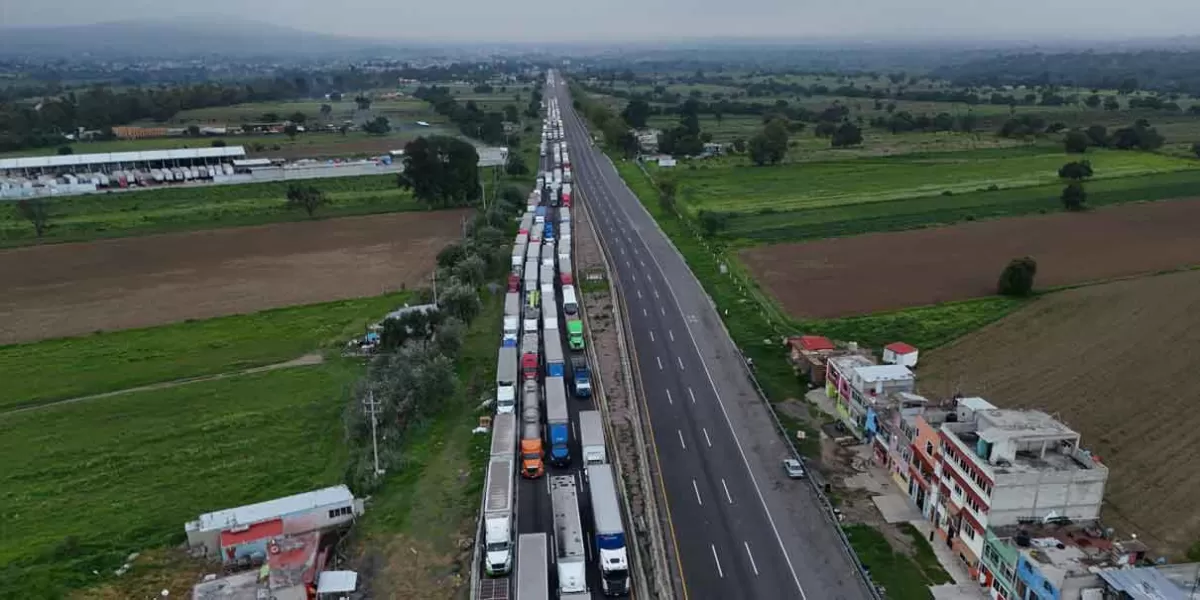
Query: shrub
x,y
1017,278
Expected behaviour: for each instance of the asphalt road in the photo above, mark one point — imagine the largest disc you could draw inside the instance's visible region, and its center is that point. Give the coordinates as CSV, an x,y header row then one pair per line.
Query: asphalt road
x,y
741,528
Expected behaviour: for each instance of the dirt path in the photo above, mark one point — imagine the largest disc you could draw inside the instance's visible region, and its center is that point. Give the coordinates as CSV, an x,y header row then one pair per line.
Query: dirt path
x,y
304,361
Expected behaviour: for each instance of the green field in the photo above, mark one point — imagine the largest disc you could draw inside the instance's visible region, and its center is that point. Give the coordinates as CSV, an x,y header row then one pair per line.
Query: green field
x,y
120,214
86,484
71,367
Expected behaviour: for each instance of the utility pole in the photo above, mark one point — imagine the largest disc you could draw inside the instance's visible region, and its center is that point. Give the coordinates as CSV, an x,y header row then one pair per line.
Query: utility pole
x,y
373,409
434,276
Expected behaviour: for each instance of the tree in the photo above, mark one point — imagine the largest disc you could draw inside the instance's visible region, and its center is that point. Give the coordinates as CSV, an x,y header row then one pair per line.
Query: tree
x,y
1111,103
326,110
308,197
847,135
769,147
218,143
1076,142
1076,171
440,170
667,188
298,117
65,150
825,129
193,130
1017,278
636,113
291,130
363,102
511,114
449,337
1092,101
343,129
515,164
1098,135
1196,149
713,222
377,126
471,270
1074,196
739,145
459,300
37,211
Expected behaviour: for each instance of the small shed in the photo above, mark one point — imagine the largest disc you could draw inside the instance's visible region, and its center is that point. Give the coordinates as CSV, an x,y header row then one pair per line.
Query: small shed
x,y
808,356
900,353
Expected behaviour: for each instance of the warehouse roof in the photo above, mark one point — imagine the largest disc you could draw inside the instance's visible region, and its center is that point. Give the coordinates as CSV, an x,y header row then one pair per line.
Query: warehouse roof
x,y
250,514
70,160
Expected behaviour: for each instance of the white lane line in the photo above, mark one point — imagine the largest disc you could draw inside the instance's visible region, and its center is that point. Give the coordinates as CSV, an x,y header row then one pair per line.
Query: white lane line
x,y
643,263
701,429
720,572
652,335
655,291
662,310
692,394
644,313
751,555
669,400
627,265
659,359
696,489
639,293
671,334
680,363
727,496
681,442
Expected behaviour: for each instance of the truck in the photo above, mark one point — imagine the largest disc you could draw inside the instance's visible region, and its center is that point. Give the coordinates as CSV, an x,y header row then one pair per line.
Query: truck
x,y
566,175
514,280
550,314
570,550
570,304
565,276
532,466
548,231
564,215
565,192
506,380
557,421
539,216
529,355
553,356
546,273
591,438
533,578
512,318
581,377
504,435
610,532
530,323
498,517
574,333
533,251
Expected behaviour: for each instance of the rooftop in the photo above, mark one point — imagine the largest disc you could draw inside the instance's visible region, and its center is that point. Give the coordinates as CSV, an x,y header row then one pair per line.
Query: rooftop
x,y
900,348
1060,551
812,343
878,373
852,361
999,425
292,564
71,160
1018,441
271,509
1150,583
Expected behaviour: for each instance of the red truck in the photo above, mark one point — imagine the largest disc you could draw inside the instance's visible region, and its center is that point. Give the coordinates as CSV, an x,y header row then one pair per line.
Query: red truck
x,y
529,356
514,282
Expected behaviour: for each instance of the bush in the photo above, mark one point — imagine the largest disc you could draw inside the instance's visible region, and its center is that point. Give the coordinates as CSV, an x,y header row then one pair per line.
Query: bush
x,y
1074,197
1017,278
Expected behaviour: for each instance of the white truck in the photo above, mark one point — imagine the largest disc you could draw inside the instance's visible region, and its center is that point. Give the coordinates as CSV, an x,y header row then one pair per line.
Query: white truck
x,y
504,435
498,517
570,549
550,314
570,304
533,578
591,438
512,318
610,532
506,380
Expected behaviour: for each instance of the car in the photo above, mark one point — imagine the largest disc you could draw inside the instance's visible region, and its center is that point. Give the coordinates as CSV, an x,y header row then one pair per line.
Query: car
x,y
793,468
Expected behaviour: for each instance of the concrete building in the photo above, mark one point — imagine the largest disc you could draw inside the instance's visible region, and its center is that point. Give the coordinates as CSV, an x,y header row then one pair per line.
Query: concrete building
x,y
895,434
289,571
808,356
245,533
1164,582
1004,467
857,385
900,353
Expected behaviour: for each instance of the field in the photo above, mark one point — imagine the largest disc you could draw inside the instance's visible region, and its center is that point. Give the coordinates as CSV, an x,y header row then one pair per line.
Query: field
x,y
119,214
72,289
864,274
70,367
86,484
1117,363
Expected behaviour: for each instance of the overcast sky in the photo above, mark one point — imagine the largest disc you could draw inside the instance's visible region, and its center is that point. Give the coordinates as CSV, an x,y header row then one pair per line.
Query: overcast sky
x,y
541,20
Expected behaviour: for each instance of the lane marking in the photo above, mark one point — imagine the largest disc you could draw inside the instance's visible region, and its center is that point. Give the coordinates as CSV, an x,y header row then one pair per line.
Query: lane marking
x,y
696,489
655,291
720,572
639,293
727,496
644,313
659,359
671,334
681,442
701,429
692,394
751,555
652,335
663,310
669,400
642,262
680,359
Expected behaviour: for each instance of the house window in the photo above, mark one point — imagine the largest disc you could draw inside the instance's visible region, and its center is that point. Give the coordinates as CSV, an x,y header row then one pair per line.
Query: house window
x,y
929,448
341,512
970,532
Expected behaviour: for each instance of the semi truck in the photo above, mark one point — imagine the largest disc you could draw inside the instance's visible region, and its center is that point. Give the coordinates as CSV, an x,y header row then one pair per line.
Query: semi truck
x,y
570,557
565,276
532,453
570,304
555,366
526,225
566,195
550,313
591,438
546,274
498,517
610,533
529,356
533,578
504,435
512,318
506,380
564,215
548,231
557,420
574,333
581,377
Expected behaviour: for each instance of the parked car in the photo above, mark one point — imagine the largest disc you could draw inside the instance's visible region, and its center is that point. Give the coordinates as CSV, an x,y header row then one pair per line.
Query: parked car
x,y
793,468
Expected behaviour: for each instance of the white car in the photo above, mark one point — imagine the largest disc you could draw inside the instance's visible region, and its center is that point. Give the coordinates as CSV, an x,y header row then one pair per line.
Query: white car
x,y
793,468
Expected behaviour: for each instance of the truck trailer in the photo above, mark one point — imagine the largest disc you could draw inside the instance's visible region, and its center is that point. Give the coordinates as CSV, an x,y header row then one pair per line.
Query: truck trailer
x,y
555,366
506,380
498,517
504,435
533,577
529,356
570,549
591,438
557,420
610,532
531,432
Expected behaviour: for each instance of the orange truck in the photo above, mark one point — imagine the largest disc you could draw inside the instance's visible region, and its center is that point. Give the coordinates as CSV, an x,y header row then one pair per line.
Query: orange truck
x,y
532,465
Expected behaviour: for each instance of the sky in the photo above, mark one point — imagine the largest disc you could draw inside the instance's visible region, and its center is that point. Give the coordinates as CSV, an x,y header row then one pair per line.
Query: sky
x,y
601,20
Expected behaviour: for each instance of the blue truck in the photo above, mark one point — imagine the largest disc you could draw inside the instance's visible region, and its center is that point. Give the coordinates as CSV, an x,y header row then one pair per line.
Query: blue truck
x,y
558,423
548,232
581,377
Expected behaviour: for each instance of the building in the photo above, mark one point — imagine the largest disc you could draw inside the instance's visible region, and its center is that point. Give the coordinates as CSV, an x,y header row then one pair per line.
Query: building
x,y
808,355
289,571
648,140
926,454
857,384
894,435
245,534
109,162
1164,582
1004,467
900,353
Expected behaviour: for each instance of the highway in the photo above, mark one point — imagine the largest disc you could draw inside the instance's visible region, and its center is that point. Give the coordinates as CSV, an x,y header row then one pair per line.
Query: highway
x,y
741,528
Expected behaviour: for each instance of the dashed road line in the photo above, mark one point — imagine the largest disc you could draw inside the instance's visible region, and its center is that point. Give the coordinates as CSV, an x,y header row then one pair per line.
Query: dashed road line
x,y
659,359
681,442
705,436
692,394
751,555
696,489
720,572
727,496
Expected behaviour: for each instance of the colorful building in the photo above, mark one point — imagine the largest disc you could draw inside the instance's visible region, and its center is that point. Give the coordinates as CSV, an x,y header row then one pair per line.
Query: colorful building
x,y
858,386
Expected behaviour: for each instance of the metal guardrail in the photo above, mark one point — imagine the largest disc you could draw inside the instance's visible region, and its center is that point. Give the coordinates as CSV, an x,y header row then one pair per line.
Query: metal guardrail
x,y
826,504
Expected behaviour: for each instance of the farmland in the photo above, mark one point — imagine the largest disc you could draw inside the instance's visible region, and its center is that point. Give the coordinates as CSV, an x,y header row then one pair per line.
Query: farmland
x,y
886,271
72,289
88,483
1116,363
93,216
71,367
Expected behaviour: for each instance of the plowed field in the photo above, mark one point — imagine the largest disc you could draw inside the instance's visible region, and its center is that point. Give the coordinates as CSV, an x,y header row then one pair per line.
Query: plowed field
x,y
871,273
1118,363
74,289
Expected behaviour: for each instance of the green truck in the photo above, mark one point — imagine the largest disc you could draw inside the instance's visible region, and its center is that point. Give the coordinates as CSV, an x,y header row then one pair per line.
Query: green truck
x,y
575,333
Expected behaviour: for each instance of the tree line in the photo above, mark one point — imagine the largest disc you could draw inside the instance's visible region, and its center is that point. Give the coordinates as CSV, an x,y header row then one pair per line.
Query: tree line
x,y
487,127
1153,70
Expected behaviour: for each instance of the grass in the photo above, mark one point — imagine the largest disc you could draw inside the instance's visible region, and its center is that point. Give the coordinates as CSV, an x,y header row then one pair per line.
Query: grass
x,y
121,214
903,577
924,327
55,369
86,484
924,556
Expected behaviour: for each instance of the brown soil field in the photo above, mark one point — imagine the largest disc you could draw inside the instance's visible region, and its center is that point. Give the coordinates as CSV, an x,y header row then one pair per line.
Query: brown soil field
x,y
74,289
1117,363
887,271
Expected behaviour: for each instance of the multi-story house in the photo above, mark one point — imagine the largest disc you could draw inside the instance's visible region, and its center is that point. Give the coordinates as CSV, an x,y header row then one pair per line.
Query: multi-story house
x,y
1003,467
894,434
1039,560
857,385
